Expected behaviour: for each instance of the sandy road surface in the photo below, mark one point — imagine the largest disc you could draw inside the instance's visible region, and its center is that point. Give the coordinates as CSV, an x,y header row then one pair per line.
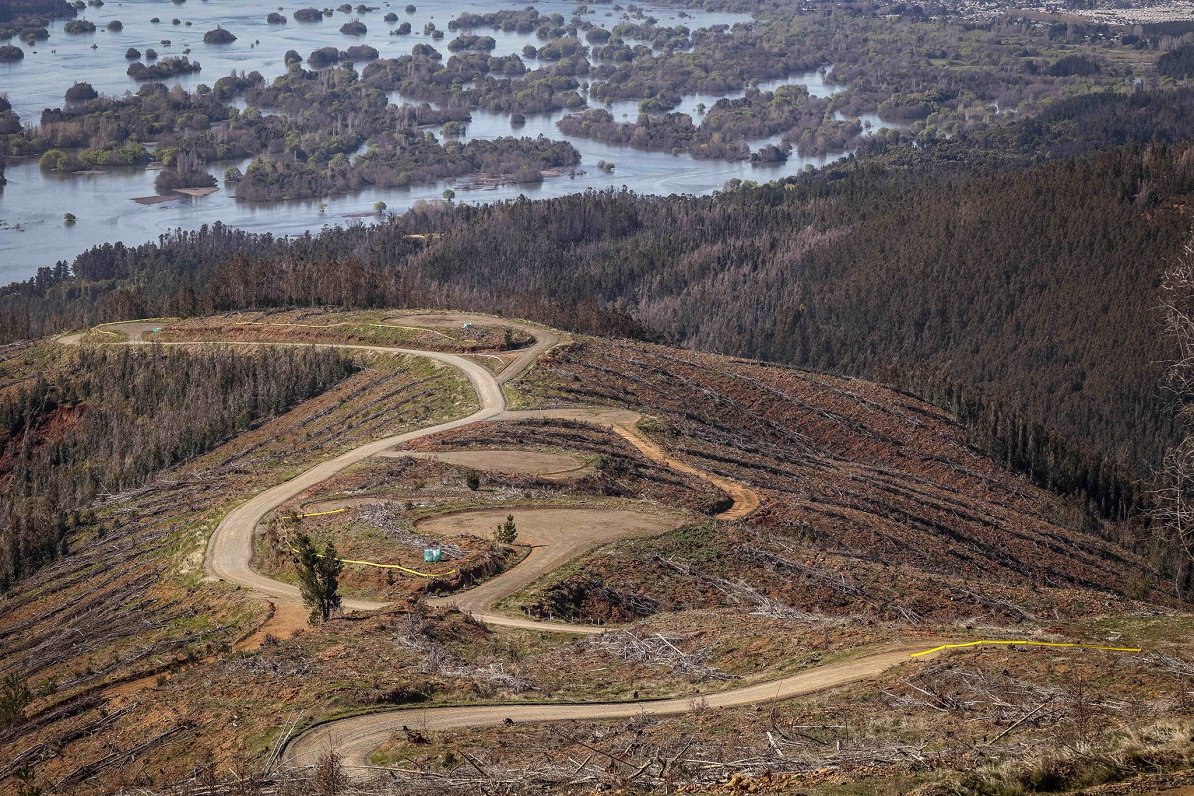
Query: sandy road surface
x,y
231,546
556,536
564,544
355,739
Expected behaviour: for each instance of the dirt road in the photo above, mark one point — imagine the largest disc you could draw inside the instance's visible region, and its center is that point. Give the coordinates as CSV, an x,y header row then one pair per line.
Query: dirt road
x,y
355,739
555,539
229,550
231,546
555,536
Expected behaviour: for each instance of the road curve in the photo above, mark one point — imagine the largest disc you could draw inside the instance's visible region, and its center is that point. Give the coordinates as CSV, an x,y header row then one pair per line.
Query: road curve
x,y
555,536
478,601
355,739
230,548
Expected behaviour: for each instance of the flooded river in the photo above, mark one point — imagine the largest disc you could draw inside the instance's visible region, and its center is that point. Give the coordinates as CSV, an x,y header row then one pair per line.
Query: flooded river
x,y
32,231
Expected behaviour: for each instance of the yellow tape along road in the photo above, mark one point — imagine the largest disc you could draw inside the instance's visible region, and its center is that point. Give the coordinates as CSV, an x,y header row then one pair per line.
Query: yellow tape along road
x,y
230,551
322,513
1024,643
398,567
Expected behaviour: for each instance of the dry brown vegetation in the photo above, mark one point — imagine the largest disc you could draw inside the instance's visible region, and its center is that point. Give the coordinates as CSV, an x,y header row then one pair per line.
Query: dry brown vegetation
x,y
131,604
878,525
992,722
352,328
385,499
989,722
873,502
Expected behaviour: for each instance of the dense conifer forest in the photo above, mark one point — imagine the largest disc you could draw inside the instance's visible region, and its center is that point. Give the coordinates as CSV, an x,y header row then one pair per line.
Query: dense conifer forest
x,y
119,416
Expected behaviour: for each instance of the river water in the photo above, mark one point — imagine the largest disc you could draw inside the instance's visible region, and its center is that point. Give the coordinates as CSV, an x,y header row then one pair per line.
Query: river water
x,y
32,231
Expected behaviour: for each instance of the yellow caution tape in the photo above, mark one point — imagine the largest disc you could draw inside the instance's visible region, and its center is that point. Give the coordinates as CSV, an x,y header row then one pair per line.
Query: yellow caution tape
x,y
1009,643
99,327
399,567
374,563
323,513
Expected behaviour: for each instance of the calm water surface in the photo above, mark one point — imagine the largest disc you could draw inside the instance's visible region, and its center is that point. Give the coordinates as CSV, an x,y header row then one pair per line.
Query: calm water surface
x,y
32,232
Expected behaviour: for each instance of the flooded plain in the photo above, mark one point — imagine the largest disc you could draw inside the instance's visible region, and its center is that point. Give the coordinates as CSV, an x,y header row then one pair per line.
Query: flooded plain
x,y
32,205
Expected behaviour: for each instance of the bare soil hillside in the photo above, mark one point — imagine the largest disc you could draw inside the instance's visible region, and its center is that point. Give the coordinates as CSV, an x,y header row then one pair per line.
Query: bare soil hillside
x,y
873,502
852,523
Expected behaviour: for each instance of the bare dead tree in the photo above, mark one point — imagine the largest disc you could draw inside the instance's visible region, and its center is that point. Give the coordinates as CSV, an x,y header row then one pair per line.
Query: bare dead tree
x,y
1173,498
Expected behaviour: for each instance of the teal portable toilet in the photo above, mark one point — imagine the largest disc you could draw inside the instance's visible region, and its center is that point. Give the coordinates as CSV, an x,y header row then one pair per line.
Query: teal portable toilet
x,y
432,555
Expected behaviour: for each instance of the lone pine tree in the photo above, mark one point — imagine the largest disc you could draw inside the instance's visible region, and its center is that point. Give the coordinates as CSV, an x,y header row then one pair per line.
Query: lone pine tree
x,y
507,531
319,577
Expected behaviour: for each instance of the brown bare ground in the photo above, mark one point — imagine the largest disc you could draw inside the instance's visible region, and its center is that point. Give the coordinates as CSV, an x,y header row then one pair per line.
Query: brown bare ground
x,y
502,461
871,508
555,537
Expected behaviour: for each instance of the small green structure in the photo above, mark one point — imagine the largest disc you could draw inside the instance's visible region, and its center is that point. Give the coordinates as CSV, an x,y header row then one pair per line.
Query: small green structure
x,y
432,555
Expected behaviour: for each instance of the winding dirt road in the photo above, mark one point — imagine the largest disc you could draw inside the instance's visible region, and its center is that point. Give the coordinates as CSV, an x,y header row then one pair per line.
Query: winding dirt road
x,y
355,739
229,555
230,548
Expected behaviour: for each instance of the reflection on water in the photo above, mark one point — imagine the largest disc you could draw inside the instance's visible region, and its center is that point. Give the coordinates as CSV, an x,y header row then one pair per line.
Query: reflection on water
x,y
40,80
32,231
